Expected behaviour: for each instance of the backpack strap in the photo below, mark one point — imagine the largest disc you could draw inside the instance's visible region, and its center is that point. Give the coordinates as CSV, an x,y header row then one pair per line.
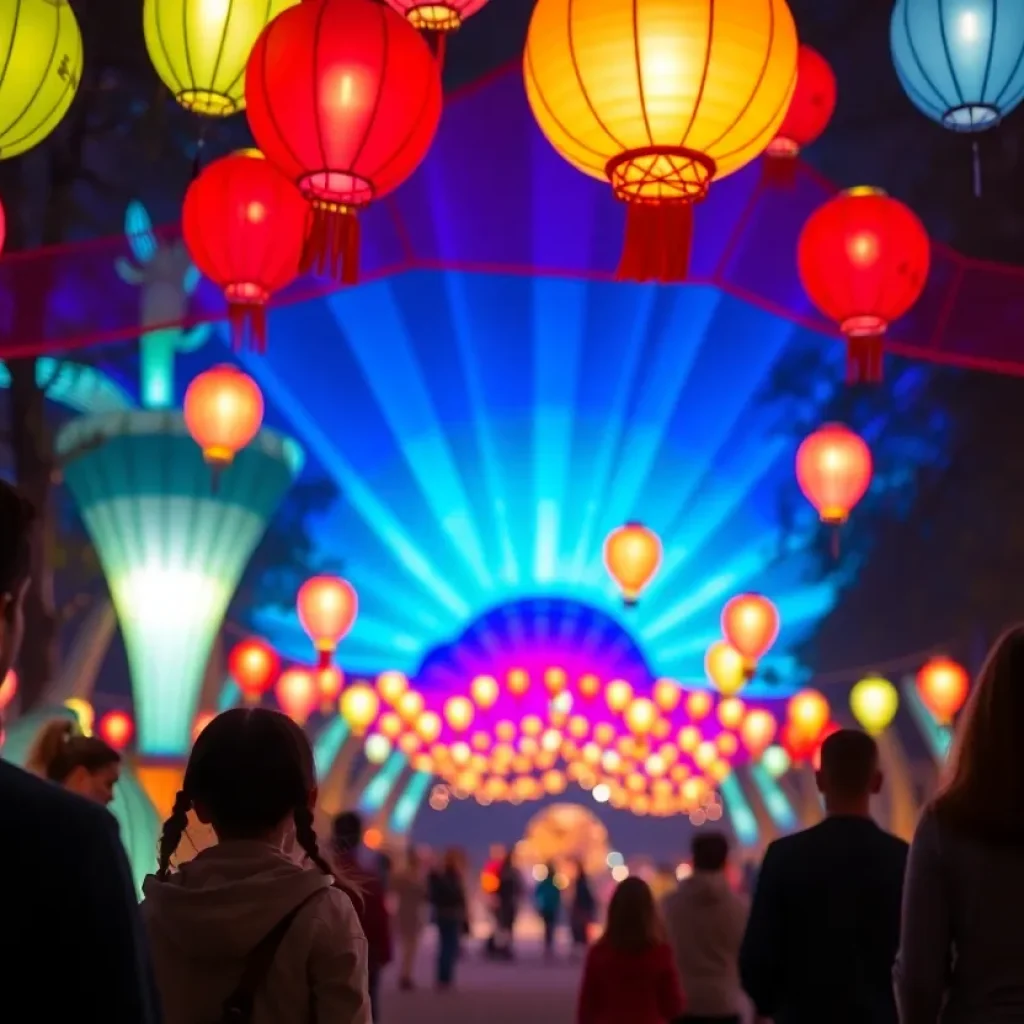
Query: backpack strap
x,y
238,1006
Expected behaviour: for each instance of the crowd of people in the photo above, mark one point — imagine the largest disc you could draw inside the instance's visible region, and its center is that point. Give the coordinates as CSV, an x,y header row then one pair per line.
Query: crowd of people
x,y
848,925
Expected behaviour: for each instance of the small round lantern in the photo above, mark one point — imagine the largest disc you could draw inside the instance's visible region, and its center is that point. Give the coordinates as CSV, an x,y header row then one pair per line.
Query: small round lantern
x,y
632,555
297,694
459,712
359,706
863,259
327,608
245,224
874,702
330,682
750,623
254,666
833,469
943,685
757,732
809,712
116,729
344,97
223,413
726,668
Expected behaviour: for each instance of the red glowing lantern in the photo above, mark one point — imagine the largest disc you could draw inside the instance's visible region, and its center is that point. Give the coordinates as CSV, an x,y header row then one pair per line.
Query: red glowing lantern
x,y
223,413
297,694
331,681
797,744
632,555
245,224
116,729
943,685
8,688
327,608
344,97
757,731
833,468
750,624
863,259
810,110
254,666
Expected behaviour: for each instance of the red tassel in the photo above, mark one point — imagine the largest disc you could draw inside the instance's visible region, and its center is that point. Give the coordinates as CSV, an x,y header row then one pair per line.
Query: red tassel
x,y
864,355
657,242
248,322
779,170
332,248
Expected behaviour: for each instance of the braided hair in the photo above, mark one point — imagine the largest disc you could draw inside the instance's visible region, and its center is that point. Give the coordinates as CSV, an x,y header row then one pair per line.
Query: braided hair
x,y
250,769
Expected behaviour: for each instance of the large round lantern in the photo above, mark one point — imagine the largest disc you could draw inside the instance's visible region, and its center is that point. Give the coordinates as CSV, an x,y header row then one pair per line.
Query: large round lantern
x,y
943,685
863,259
297,694
223,412
327,607
874,702
960,63
42,48
810,110
726,668
199,48
632,555
750,623
833,469
344,97
244,224
659,98
254,666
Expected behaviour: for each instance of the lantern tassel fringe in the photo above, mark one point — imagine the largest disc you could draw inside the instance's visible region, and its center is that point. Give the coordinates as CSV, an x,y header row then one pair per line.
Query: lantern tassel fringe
x,y
248,324
657,242
332,248
864,357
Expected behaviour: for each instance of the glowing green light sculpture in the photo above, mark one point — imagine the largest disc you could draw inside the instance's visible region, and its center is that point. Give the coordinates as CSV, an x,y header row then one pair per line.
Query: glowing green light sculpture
x,y
171,547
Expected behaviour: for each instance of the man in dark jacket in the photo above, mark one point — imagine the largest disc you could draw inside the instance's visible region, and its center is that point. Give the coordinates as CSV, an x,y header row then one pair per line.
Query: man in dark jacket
x,y
824,926
71,942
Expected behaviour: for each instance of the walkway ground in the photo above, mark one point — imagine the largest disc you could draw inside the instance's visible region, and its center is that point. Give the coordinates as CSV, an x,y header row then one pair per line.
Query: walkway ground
x,y
526,991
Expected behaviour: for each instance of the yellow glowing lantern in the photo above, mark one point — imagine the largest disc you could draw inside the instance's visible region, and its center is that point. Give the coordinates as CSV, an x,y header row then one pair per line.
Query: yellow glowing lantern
x,y
655,766
390,725
591,754
42,49
428,727
720,770
662,729
636,95
391,686
554,782
505,731
604,733
667,694
689,739
531,725
731,712
424,763
636,783
480,741
359,705
611,761
528,746
484,690
641,716
555,680
874,702
632,554
578,727
458,713
551,741
617,694
518,681
410,705
693,790
698,705
589,685
705,755
199,48
726,668
679,773
727,744
461,754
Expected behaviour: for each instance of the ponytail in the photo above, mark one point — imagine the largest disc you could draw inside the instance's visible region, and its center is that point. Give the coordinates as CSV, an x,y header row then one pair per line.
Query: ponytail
x,y
48,747
60,748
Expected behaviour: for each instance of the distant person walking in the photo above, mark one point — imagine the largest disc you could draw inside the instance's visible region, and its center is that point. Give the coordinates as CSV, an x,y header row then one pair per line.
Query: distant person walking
x,y
583,910
705,920
824,925
409,884
447,892
961,958
547,898
629,976
510,894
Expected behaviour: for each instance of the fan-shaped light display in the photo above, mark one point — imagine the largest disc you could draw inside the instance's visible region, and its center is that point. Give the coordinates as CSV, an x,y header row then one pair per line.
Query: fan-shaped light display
x,y
42,68
223,413
199,48
942,683
635,95
874,702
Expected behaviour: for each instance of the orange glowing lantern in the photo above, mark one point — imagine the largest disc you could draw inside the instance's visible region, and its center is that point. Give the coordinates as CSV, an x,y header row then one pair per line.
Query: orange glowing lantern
x,y
798,745
942,684
330,680
833,469
327,609
731,712
641,714
555,680
458,713
698,705
484,690
705,755
518,681
391,685
223,413
726,668
428,726
757,732
359,706
589,685
390,725
254,665
116,729
750,623
632,554
297,694
688,739
809,713
410,705
617,694
727,744
667,694
8,688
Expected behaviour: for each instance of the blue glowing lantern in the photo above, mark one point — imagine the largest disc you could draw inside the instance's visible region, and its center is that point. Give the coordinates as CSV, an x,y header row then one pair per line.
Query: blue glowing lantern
x,y
961,62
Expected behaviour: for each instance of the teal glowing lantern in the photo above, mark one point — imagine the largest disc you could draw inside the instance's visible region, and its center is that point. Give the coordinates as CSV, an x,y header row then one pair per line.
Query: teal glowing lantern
x,y
954,64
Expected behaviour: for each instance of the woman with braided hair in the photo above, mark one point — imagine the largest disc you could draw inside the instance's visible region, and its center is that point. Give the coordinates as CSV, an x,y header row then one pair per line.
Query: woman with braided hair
x,y
244,932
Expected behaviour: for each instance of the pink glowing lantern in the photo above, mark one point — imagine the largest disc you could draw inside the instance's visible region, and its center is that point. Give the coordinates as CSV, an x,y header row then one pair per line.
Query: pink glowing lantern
x,y
298,694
